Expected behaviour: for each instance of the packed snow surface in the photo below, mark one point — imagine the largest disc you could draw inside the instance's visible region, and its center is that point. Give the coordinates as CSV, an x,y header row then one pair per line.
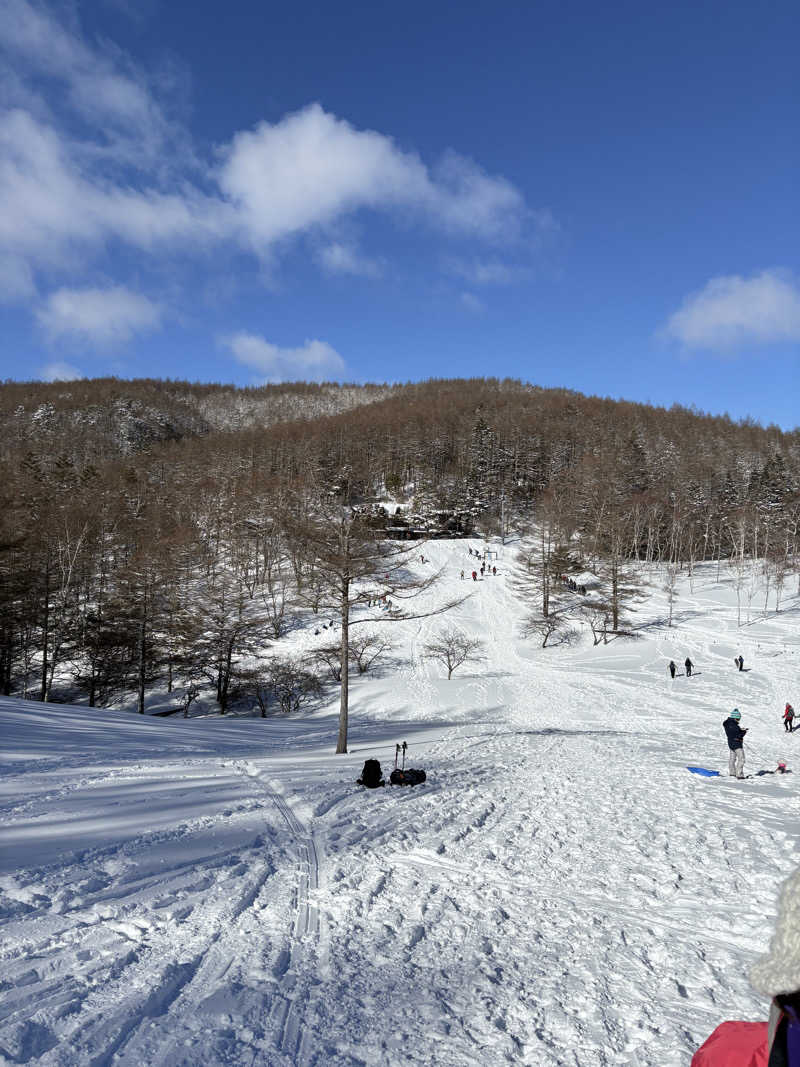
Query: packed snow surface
x,y
561,890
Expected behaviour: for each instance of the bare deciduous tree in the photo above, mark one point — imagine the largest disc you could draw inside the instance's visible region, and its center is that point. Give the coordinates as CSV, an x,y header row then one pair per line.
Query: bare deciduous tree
x,y
547,626
452,648
284,682
367,648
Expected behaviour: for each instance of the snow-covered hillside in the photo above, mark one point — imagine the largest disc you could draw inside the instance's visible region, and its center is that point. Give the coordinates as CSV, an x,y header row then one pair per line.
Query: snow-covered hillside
x,y
561,891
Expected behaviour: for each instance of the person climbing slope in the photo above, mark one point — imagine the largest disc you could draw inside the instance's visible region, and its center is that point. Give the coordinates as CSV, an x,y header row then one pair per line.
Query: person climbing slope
x,y
735,735
788,718
672,668
777,974
688,665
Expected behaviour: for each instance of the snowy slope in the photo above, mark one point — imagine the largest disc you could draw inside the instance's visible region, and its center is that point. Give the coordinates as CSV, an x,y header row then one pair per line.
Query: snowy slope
x,y
561,891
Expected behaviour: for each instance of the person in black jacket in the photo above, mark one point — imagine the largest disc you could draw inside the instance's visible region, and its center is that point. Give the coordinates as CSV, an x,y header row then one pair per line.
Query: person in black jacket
x,y
735,735
688,665
672,668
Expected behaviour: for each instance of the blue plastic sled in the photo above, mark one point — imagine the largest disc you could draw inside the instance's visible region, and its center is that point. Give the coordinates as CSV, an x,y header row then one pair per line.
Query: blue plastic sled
x,y
706,773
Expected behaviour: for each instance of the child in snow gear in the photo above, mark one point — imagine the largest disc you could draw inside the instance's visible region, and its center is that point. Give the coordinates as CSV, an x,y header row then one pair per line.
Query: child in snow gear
x,y
735,735
474,576
371,776
788,718
672,668
777,974
688,665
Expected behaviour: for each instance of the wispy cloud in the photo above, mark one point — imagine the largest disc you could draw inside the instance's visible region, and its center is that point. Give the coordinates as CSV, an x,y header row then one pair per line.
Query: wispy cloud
x,y
480,271
472,303
339,258
314,361
16,279
102,316
731,311
59,372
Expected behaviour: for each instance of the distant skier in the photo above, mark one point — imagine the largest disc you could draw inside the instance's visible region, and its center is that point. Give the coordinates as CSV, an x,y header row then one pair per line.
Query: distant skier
x,y
788,718
688,665
462,576
483,568
474,576
494,570
739,661
735,735
672,668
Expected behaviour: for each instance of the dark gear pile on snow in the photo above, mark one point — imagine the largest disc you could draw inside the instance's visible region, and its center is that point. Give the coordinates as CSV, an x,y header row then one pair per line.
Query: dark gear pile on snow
x,y
405,775
409,776
371,776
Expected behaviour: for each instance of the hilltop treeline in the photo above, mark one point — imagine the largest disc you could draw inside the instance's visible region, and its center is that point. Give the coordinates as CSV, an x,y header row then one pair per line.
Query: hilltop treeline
x,y
141,533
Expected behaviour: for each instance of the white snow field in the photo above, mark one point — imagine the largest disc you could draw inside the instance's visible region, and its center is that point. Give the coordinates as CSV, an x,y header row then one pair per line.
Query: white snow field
x,y
561,890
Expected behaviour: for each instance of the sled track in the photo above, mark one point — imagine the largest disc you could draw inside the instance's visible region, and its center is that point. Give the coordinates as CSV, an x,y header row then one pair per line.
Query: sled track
x,y
288,1013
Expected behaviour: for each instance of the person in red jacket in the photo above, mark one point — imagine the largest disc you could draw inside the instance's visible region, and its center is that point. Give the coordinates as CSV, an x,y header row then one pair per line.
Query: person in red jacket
x,y
775,1043
788,718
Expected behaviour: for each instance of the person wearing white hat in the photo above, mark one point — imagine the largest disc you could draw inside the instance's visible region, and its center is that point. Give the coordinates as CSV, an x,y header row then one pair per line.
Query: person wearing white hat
x,y
775,1043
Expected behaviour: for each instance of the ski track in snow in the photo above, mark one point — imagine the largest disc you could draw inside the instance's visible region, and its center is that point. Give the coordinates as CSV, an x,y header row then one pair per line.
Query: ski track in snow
x,y
560,892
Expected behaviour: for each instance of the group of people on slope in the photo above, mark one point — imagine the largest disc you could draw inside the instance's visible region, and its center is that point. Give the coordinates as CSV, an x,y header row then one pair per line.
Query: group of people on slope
x,y
687,664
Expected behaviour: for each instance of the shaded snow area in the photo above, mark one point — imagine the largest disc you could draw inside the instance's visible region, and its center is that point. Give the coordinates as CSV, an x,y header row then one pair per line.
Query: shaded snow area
x,y
561,890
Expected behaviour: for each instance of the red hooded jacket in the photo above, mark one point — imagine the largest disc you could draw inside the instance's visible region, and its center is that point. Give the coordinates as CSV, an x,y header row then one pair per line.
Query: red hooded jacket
x,y
735,1044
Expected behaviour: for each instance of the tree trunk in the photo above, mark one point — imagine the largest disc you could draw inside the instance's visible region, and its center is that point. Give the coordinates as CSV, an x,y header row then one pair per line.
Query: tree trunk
x,y
142,651
45,628
341,743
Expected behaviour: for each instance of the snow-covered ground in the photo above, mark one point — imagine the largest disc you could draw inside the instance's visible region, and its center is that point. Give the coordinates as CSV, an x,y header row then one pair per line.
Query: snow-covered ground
x,y
561,891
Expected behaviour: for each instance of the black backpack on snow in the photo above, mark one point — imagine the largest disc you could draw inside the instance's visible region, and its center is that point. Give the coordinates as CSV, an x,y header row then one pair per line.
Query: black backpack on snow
x,y
371,776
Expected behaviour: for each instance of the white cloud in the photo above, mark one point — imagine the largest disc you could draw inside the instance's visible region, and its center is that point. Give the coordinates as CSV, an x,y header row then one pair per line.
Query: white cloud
x,y
50,212
338,258
59,372
731,311
311,168
103,316
315,361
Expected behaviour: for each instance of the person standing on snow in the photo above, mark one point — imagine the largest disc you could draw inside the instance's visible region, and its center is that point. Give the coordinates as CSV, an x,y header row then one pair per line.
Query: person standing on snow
x,y
739,661
672,668
777,975
462,576
788,718
735,735
474,576
688,665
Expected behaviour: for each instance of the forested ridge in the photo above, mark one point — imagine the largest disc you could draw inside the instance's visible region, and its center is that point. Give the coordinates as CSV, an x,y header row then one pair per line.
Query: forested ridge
x,y
144,538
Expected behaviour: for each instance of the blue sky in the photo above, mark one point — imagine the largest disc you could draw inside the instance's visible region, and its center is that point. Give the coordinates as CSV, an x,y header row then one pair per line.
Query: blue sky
x,y
602,197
